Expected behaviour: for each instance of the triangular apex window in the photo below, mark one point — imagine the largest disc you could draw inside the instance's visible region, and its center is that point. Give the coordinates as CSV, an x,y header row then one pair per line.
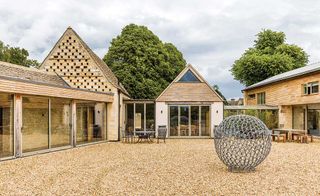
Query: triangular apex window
x,y
189,77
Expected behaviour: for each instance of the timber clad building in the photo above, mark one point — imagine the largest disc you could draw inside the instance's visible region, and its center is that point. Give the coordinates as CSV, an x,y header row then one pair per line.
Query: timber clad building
x,y
295,93
74,99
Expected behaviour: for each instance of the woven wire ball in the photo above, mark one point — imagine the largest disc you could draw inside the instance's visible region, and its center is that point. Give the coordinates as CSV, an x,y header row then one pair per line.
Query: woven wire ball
x,y
242,142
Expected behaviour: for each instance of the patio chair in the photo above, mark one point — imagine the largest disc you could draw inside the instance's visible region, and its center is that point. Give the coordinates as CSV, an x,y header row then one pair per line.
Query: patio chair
x,y
277,135
126,136
162,133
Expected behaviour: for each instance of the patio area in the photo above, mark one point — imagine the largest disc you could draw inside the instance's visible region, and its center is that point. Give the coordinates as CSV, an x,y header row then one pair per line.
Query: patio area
x,y
177,167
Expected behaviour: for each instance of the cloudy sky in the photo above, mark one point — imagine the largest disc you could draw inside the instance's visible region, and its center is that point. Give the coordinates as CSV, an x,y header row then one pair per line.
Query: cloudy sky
x,y
210,34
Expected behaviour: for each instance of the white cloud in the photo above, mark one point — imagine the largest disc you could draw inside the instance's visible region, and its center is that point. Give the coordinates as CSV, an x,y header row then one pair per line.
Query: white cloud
x,y
210,33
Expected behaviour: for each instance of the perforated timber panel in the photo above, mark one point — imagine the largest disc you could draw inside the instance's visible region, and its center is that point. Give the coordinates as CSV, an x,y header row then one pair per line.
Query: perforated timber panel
x,y
70,60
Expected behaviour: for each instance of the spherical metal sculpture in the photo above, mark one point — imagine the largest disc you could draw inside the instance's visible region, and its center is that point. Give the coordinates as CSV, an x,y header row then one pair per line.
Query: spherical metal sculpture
x,y
242,142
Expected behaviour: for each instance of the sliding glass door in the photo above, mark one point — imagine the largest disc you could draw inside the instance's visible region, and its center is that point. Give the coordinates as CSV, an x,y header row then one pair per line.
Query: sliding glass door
x,y
35,118
314,122
205,121
195,120
174,120
91,122
6,125
189,120
184,120
140,117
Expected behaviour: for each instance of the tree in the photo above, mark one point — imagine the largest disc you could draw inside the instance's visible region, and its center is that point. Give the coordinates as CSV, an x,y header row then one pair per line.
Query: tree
x,y
269,56
217,89
16,55
142,62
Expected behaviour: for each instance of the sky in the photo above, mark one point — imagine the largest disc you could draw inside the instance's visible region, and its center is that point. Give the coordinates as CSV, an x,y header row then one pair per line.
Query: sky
x,y
211,34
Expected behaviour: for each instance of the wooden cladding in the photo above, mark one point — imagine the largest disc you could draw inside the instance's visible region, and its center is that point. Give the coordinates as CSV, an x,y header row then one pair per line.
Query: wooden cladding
x,y
289,92
20,87
189,92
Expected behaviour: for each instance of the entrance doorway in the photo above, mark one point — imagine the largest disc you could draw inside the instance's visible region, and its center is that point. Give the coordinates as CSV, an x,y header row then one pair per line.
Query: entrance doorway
x,y
313,122
189,120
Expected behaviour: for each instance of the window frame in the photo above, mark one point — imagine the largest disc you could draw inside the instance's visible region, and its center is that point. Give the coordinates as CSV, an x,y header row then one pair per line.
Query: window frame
x,y
185,79
307,88
252,96
261,98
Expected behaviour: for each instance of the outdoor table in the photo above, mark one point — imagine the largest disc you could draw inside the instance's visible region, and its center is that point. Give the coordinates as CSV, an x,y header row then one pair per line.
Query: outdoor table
x,y
290,133
146,135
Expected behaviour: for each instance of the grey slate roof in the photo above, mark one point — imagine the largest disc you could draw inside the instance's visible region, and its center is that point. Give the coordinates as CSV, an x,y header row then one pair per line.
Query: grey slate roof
x,y
27,74
287,75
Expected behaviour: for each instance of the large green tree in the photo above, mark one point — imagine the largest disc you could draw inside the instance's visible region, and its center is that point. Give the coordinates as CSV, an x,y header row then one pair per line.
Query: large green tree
x,y
217,89
16,55
142,62
269,56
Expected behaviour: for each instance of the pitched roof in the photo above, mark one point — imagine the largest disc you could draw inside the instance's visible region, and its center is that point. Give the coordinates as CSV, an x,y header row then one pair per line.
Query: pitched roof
x,y
107,72
194,95
8,70
287,75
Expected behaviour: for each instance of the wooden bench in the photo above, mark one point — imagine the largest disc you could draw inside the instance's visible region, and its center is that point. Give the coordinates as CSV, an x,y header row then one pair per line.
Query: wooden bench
x,y
277,135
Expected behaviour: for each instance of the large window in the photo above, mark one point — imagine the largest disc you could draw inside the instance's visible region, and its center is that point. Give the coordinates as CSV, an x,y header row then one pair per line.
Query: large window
x,y
130,117
174,120
6,125
298,117
310,88
261,98
60,122
140,117
195,121
35,121
205,121
314,122
150,121
184,120
91,122
189,120
189,77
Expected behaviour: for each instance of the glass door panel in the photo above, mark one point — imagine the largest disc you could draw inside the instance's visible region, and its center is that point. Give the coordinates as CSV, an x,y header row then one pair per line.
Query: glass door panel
x,y
60,122
130,118
205,121
194,120
184,120
174,120
139,117
298,117
35,119
150,117
314,122
6,125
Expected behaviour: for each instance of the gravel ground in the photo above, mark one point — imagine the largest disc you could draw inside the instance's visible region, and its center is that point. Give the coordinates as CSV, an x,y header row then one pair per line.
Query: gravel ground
x,y
182,167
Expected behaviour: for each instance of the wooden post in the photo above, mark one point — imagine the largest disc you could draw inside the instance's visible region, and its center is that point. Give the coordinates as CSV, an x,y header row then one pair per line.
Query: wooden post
x,y
74,123
18,125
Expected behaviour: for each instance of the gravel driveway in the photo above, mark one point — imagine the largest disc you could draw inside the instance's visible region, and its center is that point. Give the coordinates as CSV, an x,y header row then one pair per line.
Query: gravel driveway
x,y
182,167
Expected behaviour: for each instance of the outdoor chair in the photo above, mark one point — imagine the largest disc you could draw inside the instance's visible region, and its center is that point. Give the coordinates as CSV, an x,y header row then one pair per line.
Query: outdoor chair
x,y
276,135
126,136
162,133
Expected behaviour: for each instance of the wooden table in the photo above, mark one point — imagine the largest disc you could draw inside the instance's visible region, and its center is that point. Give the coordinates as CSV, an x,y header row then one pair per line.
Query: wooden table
x,y
290,133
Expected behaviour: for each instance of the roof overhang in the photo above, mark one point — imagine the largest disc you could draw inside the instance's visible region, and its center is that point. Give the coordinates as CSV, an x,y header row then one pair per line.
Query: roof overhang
x,y
19,86
306,70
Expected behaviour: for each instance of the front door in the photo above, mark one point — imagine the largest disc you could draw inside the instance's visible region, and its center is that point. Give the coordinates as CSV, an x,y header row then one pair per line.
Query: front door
x,y
189,120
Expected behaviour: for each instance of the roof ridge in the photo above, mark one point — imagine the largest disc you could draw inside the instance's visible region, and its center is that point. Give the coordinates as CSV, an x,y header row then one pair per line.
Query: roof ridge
x,y
106,71
312,67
